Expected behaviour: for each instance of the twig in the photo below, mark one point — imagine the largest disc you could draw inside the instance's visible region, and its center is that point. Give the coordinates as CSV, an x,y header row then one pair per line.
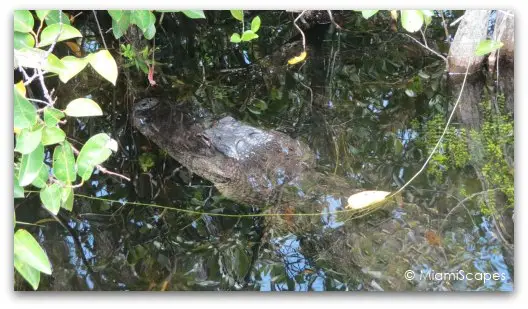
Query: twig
x,y
457,21
44,88
431,50
103,169
29,80
99,27
302,33
425,40
441,136
444,24
332,19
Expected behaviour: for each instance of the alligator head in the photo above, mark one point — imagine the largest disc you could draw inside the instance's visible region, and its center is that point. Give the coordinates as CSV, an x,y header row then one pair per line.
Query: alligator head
x,y
245,163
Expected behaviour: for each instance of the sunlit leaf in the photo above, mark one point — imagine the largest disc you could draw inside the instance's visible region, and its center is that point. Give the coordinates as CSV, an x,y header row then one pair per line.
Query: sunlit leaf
x,y
53,18
238,14
30,274
410,93
42,177
64,163
32,58
150,32
249,35
83,107
51,197
116,14
67,198
297,59
41,14
366,198
95,151
412,20
235,38
142,18
23,40
24,113
368,13
428,16
487,46
103,62
194,14
29,251
52,116
27,140
23,21
49,34
255,24
21,88
17,188
30,165
52,135
72,66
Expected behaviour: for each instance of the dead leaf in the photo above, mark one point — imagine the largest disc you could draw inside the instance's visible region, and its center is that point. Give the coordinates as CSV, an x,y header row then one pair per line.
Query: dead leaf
x,y
366,198
297,59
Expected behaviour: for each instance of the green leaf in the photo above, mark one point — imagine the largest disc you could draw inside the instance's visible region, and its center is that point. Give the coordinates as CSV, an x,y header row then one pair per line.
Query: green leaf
x,y
52,116
64,163
23,21
72,67
28,250
120,25
235,38
368,13
67,198
150,32
103,62
27,141
49,34
30,166
143,19
52,135
83,107
53,18
487,46
96,150
17,188
23,40
41,14
257,106
194,14
238,14
412,20
42,177
24,113
249,35
116,14
30,274
32,58
255,24
51,198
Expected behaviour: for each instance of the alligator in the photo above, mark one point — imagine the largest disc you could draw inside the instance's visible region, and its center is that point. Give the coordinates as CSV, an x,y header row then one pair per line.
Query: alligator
x,y
246,164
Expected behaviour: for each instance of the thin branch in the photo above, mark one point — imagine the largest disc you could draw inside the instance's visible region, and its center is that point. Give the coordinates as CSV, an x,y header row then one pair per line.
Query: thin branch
x,y
441,136
103,169
99,27
429,49
444,24
457,21
332,20
302,33
28,79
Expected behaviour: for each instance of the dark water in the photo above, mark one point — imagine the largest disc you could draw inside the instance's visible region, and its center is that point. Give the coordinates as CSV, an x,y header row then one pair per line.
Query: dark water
x,y
368,101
